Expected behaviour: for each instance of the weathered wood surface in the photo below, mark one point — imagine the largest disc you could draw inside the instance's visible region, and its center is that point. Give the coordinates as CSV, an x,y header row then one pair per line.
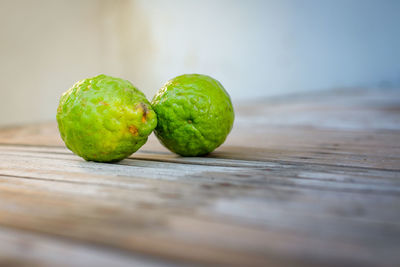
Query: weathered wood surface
x,y
301,181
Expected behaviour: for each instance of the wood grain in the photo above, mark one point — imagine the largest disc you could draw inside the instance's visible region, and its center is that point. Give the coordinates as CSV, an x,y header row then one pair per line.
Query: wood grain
x,y
307,180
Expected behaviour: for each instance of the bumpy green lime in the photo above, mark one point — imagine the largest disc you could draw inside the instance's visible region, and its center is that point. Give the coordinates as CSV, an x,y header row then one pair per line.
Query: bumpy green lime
x,y
104,118
194,113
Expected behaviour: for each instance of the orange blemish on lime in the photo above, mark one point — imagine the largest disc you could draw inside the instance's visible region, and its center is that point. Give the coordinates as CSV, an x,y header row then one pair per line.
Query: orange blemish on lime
x,y
145,110
133,130
103,103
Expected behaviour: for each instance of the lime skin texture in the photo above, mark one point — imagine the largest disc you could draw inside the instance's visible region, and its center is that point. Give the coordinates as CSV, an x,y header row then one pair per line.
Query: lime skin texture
x,y
104,119
194,113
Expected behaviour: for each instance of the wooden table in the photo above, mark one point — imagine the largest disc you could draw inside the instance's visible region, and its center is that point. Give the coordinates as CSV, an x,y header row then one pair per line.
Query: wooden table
x,y
302,180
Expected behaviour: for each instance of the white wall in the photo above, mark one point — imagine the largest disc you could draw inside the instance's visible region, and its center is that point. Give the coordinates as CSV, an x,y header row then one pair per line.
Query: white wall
x,y
44,47
255,48
262,48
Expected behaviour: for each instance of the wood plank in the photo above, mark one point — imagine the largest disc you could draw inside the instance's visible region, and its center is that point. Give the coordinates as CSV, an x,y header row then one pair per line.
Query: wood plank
x,y
22,248
278,175
335,205
87,215
165,161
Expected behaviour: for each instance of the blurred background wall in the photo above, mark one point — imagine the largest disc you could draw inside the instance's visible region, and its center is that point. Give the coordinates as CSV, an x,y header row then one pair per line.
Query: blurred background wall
x,y
255,48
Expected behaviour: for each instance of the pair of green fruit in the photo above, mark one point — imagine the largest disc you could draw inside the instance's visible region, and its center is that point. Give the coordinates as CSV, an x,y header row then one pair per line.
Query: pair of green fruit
x,y
106,119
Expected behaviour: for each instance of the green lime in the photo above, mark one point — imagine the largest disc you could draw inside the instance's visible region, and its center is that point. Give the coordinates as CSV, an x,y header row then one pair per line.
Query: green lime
x,y
104,118
194,113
